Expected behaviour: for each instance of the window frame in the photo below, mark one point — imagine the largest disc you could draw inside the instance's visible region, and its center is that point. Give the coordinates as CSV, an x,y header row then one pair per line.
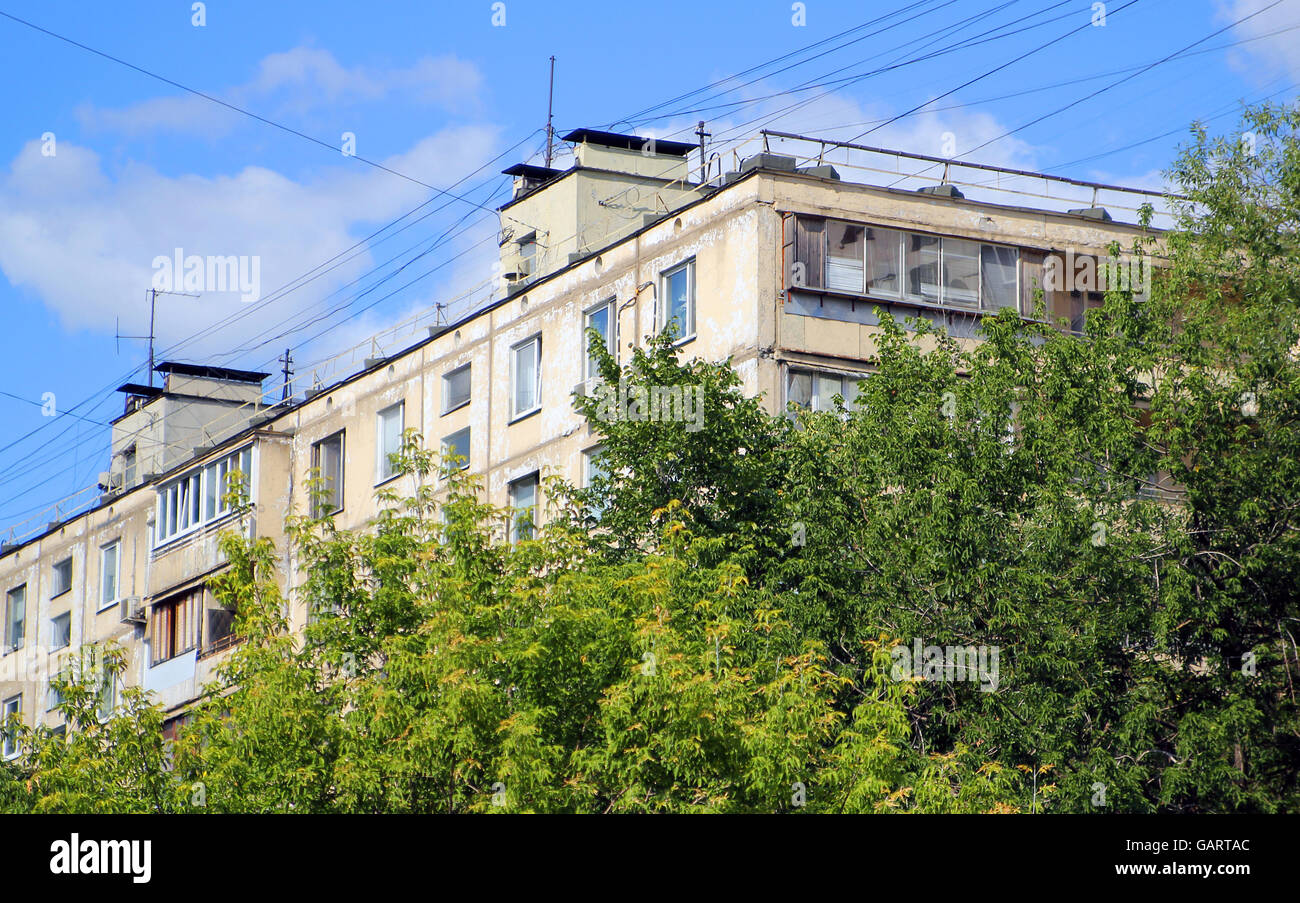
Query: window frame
x,y
177,635
202,490
816,402
469,439
116,547
316,448
515,414
8,639
9,747
535,479
610,306
447,407
982,304
54,571
383,468
687,266
54,633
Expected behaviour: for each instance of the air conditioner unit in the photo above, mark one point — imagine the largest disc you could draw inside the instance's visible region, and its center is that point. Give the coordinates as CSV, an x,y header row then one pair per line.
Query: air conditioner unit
x,y
109,481
133,611
587,388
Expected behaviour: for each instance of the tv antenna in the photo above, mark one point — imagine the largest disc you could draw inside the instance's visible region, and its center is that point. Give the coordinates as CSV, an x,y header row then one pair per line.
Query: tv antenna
x,y
153,294
550,105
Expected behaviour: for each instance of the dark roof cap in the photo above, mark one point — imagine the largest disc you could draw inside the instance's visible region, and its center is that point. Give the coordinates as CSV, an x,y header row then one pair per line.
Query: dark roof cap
x,y
629,142
529,171
209,372
137,389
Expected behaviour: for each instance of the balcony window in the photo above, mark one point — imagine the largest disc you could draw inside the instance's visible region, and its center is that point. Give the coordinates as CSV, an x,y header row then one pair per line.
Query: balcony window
x,y
174,626
199,497
815,391
845,257
884,250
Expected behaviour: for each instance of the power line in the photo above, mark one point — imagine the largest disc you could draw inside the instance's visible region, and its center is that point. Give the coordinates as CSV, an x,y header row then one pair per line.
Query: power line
x,y
238,109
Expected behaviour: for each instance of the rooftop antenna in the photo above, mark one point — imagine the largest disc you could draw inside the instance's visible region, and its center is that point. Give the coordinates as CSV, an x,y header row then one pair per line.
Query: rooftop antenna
x,y
153,303
550,105
704,166
287,360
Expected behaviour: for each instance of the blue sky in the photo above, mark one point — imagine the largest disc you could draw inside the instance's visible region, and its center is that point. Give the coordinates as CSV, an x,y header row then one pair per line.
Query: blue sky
x,y
435,91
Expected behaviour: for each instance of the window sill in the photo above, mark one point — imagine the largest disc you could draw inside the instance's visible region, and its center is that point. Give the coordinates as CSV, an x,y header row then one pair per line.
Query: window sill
x,y
106,606
524,416
60,593
456,407
387,479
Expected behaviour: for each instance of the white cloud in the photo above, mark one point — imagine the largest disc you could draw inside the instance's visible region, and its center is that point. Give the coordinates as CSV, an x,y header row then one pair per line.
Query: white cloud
x,y
296,82
1272,53
83,241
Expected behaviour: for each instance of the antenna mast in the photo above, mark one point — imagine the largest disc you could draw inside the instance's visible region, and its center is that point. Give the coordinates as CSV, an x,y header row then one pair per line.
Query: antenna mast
x,y
550,105
153,303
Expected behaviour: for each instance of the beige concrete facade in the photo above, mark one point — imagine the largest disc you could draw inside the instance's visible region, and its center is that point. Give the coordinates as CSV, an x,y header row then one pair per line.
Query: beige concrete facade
x,y
737,240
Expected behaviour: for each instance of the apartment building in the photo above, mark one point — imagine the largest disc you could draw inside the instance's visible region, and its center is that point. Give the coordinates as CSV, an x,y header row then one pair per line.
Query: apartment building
x,y
779,265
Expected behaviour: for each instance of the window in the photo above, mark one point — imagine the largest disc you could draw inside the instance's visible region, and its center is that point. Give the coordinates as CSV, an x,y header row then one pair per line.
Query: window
x,y
327,460
128,467
528,255
593,469
817,391
523,499
110,563
198,497
921,264
61,631
392,420
458,444
856,259
174,626
998,286
15,617
216,481
455,389
11,709
221,629
603,319
809,252
61,578
107,694
884,250
679,299
845,255
961,272
54,697
593,466
526,376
